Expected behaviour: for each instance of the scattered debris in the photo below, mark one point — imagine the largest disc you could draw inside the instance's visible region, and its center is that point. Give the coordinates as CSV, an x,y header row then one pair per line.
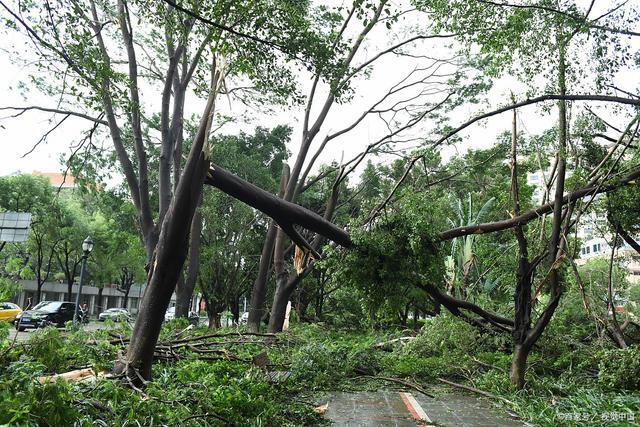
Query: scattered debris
x,y
321,409
475,390
85,374
388,345
402,382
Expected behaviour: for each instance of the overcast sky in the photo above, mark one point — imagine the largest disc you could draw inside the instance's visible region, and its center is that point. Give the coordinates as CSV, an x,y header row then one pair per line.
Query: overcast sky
x,y
18,135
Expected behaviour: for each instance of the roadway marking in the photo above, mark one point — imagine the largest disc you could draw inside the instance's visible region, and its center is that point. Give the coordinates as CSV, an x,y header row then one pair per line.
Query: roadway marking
x,y
415,409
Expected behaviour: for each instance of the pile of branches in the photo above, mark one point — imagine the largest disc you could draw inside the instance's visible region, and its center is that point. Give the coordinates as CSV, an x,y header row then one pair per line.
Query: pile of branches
x,y
210,346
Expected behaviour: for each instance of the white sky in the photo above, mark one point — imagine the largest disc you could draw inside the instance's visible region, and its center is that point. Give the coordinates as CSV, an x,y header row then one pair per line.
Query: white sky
x,y
18,135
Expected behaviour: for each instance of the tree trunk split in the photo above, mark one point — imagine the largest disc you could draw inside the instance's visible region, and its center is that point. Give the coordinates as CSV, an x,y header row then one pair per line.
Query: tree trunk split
x,y
170,254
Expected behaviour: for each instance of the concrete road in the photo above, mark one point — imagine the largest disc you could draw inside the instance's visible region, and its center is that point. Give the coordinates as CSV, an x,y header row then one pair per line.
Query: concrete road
x,y
409,409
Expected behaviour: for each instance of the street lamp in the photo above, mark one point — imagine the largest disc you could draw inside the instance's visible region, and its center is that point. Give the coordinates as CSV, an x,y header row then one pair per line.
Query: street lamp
x,y
87,247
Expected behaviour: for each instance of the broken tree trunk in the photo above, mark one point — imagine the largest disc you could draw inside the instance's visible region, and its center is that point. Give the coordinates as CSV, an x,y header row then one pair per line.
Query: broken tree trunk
x,y
286,214
170,253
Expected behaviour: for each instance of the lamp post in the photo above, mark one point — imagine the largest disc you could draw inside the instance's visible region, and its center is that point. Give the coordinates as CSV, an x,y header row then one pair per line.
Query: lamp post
x,y
87,247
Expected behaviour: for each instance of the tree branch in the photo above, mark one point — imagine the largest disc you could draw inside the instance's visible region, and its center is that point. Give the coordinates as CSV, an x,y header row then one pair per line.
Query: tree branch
x,y
283,212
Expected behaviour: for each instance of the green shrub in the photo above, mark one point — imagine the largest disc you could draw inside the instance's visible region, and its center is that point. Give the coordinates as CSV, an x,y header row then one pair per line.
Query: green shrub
x,y
444,336
46,346
620,369
320,364
24,401
422,368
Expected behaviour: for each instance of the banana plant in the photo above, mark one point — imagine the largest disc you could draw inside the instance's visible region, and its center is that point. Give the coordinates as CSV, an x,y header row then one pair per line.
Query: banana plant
x,y
462,258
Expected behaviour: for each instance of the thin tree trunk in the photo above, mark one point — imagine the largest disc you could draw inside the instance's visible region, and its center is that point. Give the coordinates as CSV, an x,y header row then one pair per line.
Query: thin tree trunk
x,y
613,326
283,292
235,309
99,305
522,296
69,289
556,253
288,285
259,291
279,307
185,287
125,302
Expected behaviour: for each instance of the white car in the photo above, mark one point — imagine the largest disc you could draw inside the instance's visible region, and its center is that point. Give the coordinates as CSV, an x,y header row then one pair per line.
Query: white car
x,y
170,314
115,314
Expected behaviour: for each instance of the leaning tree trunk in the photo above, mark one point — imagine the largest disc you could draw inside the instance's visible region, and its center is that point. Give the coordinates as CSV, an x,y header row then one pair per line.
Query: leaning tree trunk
x,y
279,308
185,287
259,292
169,257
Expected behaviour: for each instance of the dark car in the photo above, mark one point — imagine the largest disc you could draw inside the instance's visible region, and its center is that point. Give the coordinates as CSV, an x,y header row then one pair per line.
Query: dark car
x,y
54,313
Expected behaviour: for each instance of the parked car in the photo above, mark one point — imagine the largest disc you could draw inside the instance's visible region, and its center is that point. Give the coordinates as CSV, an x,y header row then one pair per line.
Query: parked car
x,y
170,314
9,311
194,319
55,313
244,318
115,314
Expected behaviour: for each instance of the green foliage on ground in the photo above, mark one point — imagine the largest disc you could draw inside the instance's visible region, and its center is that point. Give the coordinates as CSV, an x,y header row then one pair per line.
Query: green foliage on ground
x,y
566,375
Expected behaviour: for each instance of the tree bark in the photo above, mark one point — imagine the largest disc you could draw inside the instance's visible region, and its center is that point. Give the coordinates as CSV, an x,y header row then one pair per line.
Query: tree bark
x,y
613,326
279,307
235,309
286,214
288,283
541,210
519,365
214,320
125,302
522,295
283,292
454,306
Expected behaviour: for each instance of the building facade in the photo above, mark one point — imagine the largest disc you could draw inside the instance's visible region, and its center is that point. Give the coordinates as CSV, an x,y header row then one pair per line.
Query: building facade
x,y
96,301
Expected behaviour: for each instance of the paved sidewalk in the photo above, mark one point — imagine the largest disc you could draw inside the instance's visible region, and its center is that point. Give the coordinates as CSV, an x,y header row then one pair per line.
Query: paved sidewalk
x,y
392,408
